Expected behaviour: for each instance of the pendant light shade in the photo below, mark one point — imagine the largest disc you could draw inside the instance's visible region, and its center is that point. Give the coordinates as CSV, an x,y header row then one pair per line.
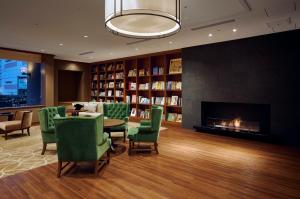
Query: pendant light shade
x,y
145,19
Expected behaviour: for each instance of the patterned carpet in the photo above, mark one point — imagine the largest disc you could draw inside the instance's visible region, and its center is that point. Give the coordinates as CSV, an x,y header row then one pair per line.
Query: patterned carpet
x,y
21,152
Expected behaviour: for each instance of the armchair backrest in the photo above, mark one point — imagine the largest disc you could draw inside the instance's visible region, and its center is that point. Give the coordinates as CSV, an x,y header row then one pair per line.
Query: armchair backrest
x,y
78,137
46,116
25,117
116,110
156,118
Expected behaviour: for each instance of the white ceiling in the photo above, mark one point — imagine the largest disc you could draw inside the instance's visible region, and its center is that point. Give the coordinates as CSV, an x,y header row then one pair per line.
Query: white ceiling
x,y
41,25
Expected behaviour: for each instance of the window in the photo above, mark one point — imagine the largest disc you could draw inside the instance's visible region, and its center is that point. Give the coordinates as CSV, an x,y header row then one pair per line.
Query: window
x,y
19,83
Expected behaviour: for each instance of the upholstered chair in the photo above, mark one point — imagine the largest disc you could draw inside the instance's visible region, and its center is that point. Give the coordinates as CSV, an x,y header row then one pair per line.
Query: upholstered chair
x,y
81,139
147,132
22,120
46,116
117,111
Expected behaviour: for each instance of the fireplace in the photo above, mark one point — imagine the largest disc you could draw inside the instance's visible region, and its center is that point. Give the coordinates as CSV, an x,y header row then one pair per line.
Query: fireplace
x,y
235,118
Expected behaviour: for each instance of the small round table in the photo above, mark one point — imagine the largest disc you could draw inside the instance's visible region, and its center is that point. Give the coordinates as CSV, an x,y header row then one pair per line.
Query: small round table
x,y
110,123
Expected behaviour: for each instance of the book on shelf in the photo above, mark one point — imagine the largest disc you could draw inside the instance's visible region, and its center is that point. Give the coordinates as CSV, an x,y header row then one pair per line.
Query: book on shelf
x,y
110,76
174,117
119,93
158,100
132,73
132,86
144,114
174,85
155,70
111,85
161,70
101,85
109,93
128,99
102,77
120,75
120,66
174,101
94,85
119,84
110,68
175,66
133,112
133,99
142,72
158,85
144,86
94,77
102,94
144,100
179,118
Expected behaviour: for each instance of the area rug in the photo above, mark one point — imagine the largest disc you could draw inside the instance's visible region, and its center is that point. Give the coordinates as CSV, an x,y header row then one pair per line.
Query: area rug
x,y
21,152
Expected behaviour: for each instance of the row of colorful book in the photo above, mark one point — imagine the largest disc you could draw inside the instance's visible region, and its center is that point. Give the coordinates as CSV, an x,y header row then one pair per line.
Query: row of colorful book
x,y
174,85
174,117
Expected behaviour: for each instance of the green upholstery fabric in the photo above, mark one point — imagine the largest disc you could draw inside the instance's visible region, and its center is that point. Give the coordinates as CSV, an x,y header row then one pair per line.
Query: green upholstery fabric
x,y
46,116
148,131
117,111
80,138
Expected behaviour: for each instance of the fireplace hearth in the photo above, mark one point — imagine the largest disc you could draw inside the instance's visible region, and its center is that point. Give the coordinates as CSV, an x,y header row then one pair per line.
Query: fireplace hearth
x,y
235,118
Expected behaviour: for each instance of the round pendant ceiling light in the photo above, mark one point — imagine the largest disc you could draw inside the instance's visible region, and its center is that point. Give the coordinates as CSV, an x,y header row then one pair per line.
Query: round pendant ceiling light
x,y
143,19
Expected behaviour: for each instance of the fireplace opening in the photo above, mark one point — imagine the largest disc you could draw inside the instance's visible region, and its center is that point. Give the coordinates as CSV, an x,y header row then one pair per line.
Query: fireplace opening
x,y
237,118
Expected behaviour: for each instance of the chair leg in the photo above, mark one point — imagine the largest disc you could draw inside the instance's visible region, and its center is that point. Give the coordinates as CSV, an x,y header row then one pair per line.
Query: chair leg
x,y
44,148
155,146
22,131
28,132
59,164
130,145
108,156
124,137
96,168
5,136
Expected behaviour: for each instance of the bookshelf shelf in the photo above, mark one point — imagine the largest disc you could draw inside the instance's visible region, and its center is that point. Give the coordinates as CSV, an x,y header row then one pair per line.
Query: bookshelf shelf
x,y
134,79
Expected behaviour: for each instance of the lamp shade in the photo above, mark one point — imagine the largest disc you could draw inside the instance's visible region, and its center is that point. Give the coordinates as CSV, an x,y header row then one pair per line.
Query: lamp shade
x,y
143,18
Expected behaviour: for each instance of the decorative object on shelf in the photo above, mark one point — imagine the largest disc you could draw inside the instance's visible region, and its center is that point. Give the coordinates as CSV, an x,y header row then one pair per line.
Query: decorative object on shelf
x,y
132,73
175,66
143,19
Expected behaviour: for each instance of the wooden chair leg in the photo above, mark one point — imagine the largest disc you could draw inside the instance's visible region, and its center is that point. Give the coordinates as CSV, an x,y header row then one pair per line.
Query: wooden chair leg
x,y
5,136
59,164
124,137
44,148
155,146
96,168
22,131
28,132
129,148
108,156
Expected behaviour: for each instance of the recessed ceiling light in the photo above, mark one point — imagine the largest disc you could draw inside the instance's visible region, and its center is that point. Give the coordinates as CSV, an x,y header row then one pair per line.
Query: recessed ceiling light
x,y
170,42
85,36
234,30
136,49
61,44
210,35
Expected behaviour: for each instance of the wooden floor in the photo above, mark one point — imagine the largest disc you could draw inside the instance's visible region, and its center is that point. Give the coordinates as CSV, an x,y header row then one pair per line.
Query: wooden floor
x,y
190,165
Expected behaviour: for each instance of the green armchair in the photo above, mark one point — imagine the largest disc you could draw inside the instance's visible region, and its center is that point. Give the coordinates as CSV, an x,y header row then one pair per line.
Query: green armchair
x,y
46,116
148,131
81,139
117,111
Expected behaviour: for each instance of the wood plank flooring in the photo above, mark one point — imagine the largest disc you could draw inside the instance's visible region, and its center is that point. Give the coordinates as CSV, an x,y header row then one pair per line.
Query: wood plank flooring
x,y
190,165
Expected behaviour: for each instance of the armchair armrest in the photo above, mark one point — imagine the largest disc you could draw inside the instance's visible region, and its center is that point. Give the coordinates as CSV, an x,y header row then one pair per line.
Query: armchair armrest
x,y
145,122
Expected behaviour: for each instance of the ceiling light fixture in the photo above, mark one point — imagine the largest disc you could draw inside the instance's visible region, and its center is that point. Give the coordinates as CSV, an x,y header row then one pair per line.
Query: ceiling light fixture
x,y
210,35
143,19
85,36
234,30
61,44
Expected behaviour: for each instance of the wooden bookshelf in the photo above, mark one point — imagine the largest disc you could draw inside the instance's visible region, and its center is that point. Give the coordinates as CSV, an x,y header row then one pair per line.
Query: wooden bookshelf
x,y
140,74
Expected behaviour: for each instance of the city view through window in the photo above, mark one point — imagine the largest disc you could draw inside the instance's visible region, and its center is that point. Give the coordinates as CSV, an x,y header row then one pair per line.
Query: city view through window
x,y
14,84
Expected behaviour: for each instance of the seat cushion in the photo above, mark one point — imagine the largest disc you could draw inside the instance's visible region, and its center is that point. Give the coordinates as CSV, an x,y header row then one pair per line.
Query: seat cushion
x,y
132,132
10,125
